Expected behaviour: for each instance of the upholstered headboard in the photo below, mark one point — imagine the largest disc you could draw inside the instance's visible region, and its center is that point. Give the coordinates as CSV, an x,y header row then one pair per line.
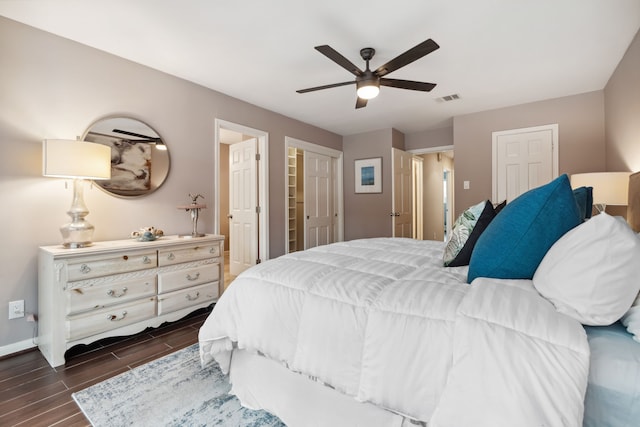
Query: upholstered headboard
x,y
633,209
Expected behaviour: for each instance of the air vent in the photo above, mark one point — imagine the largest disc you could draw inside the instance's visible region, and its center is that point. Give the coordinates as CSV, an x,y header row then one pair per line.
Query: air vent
x,y
448,98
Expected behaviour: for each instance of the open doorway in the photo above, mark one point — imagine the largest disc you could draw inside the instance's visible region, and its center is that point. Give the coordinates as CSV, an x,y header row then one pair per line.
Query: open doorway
x,y
250,246
438,196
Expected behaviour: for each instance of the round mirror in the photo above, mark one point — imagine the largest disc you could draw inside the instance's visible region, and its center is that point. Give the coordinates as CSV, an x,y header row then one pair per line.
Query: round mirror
x,y
139,156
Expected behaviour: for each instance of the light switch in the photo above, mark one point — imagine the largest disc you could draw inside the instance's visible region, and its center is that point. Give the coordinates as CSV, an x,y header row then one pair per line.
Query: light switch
x,y
465,185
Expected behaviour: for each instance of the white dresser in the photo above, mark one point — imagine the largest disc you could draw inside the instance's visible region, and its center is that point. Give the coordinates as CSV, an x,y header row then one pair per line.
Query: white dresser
x,y
122,287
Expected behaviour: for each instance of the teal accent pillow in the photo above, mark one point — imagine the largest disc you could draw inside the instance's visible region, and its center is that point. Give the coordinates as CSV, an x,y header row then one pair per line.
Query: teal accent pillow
x,y
517,239
584,199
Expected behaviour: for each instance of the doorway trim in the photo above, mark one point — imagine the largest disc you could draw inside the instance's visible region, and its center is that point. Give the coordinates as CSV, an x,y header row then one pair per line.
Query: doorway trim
x,y
338,188
263,181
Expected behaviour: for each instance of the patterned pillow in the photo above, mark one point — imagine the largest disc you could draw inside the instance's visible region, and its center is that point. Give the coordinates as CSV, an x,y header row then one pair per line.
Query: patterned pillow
x,y
464,235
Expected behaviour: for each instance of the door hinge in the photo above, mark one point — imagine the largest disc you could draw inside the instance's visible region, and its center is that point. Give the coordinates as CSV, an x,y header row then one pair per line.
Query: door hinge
x,y
258,156
257,209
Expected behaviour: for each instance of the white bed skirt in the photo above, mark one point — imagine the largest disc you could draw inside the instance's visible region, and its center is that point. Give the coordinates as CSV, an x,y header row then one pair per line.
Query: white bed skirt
x,y
261,383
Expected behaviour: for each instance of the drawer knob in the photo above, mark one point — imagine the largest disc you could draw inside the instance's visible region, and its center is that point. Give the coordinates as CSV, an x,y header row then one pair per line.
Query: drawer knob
x,y
191,298
84,268
194,277
171,256
213,251
115,318
146,260
115,294
125,257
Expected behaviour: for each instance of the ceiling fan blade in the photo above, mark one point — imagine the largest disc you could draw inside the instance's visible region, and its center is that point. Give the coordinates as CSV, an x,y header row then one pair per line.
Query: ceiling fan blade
x,y
407,84
416,52
361,102
311,89
336,57
137,135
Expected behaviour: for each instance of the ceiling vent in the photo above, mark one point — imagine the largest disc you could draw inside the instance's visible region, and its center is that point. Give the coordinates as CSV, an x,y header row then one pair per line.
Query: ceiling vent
x,y
448,98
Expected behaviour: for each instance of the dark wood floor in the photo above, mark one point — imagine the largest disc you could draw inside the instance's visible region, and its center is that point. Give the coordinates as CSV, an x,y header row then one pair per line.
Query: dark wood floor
x,y
32,393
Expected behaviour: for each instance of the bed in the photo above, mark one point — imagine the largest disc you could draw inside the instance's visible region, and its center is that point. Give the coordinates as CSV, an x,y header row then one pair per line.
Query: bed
x,y
378,332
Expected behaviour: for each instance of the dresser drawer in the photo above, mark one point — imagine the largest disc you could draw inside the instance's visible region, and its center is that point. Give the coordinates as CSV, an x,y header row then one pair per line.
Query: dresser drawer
x,y
106,319
173,280
188,253
187,297
99,295
118,263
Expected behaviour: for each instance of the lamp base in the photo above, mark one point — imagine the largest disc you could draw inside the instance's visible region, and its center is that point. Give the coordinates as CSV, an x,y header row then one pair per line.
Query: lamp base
x,y
77,233
191,236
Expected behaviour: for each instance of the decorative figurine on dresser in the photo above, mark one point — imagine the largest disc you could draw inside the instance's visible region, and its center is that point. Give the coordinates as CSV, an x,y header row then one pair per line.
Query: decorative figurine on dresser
x,y
194,211
118,288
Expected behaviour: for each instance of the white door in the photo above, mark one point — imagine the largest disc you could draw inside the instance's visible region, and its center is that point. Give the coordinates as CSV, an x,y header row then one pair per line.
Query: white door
x,y
402,211
523,159
243,202
318,200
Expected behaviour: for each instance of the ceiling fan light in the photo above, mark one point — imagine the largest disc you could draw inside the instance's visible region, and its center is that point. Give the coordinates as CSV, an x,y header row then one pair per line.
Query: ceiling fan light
x,y
368,91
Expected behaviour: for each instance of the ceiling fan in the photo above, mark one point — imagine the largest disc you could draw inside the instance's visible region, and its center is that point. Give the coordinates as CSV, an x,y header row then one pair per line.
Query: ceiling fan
x,y
368,82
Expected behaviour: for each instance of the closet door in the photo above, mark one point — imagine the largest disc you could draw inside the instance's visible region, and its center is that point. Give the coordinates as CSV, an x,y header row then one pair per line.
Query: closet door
x,y
523,159
318,199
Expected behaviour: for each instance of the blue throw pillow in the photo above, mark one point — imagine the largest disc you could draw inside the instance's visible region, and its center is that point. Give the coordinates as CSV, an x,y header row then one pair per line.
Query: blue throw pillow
x,y
515,242
584,199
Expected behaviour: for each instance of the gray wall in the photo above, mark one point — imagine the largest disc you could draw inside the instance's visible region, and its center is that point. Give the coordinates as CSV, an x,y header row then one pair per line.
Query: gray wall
x,y
441,137
580,121
367,215
622,106
55,88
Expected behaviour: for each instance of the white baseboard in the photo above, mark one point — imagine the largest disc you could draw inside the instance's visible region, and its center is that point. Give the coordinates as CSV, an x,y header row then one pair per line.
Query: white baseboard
x,y
17,346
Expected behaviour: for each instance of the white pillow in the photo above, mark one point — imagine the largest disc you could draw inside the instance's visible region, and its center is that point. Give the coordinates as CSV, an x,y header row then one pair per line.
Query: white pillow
x,y
592,273
631,319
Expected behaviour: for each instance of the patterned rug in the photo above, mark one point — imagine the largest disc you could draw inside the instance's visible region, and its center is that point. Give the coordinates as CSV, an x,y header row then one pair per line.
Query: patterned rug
x,y
171,391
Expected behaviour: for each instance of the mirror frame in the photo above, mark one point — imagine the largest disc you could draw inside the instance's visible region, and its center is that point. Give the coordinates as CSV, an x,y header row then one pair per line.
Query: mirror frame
x,y
130,137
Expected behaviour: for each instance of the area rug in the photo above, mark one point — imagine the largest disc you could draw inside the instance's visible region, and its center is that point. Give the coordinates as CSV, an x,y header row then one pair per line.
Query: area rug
x,y
171,391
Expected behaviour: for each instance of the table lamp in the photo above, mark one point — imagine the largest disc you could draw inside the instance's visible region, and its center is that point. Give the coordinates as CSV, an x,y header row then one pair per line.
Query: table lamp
x,y
609,188
80,161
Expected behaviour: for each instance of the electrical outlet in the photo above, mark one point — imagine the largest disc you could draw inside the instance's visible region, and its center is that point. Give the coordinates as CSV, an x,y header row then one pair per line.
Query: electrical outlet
x,y
16,309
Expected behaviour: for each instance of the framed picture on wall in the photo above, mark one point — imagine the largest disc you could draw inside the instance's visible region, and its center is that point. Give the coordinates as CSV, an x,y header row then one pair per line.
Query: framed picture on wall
x,y
369,175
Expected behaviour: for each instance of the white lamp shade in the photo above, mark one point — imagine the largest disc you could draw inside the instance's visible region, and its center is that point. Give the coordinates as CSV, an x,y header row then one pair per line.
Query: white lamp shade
x,y
62,158
609,188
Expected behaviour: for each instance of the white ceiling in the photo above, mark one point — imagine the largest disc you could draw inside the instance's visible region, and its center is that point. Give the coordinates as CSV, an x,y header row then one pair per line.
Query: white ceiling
x,y
493,53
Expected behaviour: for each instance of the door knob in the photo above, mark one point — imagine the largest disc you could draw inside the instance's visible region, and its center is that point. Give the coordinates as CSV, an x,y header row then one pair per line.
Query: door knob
x,y
230,216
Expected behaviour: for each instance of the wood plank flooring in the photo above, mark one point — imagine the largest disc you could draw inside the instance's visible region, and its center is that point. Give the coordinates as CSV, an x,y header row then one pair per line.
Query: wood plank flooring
x,y
34,394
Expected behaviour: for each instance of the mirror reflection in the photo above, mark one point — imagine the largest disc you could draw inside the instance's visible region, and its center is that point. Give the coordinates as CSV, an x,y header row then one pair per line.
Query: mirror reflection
x,y
139,156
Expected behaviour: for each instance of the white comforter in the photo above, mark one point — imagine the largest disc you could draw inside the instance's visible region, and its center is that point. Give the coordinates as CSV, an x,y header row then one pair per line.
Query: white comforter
x,y
381,320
